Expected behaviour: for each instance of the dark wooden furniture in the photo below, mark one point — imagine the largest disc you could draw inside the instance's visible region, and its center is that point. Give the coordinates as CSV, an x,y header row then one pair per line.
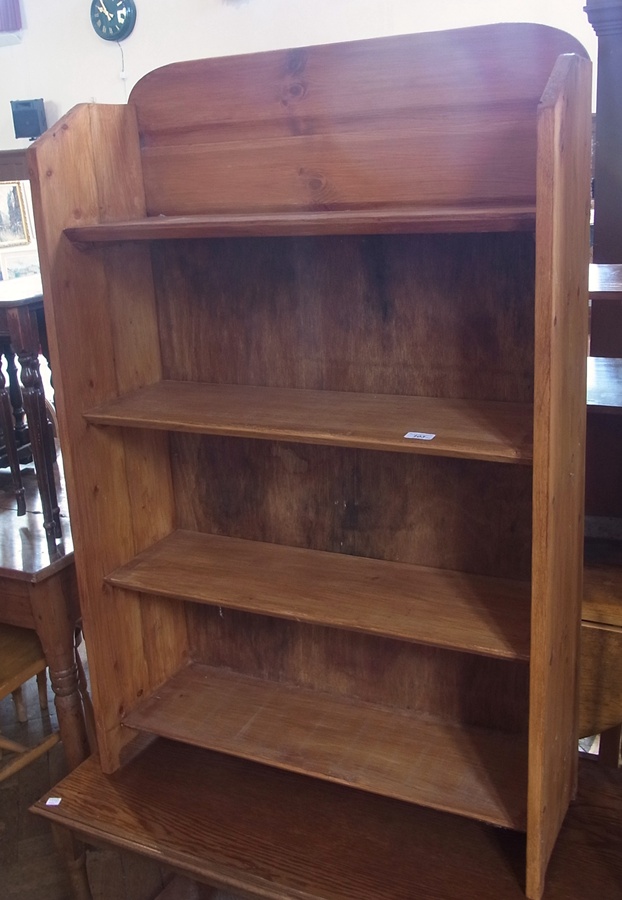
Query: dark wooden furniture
x,y
38,591
13,165
605,17
9,452
327,486
601,649
601,691
603,492
22,322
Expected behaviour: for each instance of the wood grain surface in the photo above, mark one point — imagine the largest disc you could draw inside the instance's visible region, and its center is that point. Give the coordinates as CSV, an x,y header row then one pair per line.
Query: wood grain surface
x,y
271,834
294,149
488,616
564,135
396,220
479,773
498,432
312,124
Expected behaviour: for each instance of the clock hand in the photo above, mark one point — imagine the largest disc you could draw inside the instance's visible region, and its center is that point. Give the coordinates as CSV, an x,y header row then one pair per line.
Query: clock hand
x,y
103,9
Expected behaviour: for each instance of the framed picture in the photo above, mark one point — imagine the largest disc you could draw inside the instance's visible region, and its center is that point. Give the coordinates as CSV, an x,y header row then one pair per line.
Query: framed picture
x,y
13,216
19,262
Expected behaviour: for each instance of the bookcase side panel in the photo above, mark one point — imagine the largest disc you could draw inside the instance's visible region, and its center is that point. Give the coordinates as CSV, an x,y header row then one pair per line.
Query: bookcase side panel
x,y
562,222
101,325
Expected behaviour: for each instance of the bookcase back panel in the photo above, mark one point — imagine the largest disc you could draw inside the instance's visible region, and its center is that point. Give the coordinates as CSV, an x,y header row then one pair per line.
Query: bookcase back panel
x,y
371,163
332,126
428,315
442,684
454,514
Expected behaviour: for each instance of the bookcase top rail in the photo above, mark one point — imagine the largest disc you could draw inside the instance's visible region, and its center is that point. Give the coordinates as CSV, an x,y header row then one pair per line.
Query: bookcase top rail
x,y
303,223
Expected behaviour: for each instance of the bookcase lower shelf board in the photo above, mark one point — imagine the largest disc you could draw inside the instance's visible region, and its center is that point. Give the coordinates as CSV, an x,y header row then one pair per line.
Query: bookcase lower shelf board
x,y
474,772
279,836
455,610
488,430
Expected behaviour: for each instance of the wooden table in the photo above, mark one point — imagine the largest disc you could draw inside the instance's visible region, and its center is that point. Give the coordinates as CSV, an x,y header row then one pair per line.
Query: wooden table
x,y
266,833
22,321
38,590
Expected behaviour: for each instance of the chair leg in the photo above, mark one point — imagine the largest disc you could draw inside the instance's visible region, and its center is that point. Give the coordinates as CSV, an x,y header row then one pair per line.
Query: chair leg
x,y
28,755
42,687
20,705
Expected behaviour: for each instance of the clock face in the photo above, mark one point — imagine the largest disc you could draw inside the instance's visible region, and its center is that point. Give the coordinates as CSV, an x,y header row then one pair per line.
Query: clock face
x,y
113,20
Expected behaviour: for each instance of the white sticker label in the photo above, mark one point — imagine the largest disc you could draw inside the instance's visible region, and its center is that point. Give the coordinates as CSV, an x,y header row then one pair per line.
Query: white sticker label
x,y
419,436
53,801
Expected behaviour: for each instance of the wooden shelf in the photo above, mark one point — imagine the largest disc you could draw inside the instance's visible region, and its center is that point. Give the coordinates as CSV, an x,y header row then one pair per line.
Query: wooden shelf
x,y
492,431
605,281
301,223
604,385
487,616
473,772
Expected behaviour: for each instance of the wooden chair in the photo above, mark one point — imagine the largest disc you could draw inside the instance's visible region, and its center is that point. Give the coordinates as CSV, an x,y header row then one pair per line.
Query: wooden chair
x,y
21,657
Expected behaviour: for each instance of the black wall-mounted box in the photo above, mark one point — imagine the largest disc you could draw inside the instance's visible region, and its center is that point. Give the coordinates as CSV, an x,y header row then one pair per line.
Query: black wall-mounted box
x,y
28,118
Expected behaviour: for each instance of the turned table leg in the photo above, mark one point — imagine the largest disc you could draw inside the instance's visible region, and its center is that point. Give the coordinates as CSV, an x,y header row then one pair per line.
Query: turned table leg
x,y
55,621
73,854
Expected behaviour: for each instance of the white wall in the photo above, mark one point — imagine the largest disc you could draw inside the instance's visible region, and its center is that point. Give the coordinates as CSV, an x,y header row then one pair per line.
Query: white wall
x,y
61,59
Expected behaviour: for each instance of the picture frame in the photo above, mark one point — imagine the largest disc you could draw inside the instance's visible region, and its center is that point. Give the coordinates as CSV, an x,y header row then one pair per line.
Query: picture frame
x,y
14,230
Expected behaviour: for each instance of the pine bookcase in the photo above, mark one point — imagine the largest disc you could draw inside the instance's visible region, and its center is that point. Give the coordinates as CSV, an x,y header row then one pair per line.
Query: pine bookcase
x,y
318,323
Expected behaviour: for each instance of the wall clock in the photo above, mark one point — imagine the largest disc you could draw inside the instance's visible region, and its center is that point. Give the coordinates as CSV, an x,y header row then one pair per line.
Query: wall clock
x,y
113,20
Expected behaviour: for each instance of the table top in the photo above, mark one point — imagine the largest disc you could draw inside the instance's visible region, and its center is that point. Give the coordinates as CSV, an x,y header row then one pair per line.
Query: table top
x,y
25,552
21,291
605,281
